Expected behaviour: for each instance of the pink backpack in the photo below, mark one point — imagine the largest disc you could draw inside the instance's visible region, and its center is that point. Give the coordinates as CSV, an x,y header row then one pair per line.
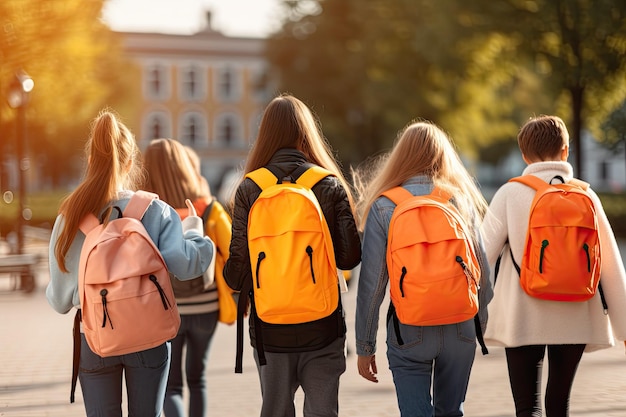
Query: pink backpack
x,y
124,286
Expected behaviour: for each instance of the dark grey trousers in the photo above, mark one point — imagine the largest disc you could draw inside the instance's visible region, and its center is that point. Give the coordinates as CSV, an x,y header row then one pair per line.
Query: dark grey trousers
x,y
317,372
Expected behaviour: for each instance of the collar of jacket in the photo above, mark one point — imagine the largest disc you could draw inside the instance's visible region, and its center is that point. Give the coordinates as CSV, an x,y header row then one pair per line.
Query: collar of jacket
x,y
288,159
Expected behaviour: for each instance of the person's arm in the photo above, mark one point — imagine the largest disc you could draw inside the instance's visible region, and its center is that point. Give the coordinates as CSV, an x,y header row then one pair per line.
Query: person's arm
x,y
494,228
346,239
62,289
372,286
187,254
237,269
612,276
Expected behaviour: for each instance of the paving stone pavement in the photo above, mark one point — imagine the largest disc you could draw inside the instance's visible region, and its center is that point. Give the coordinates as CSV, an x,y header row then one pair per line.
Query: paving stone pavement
x,y
35,370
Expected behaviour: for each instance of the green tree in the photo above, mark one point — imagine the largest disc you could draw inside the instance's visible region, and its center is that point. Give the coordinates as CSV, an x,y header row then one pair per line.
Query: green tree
x,y
478,68
614,128
367,67
371,66
75,61
578,47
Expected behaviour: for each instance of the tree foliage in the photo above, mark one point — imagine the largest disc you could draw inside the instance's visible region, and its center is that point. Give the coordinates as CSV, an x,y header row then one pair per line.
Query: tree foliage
x,y
478,68
75,61
577,47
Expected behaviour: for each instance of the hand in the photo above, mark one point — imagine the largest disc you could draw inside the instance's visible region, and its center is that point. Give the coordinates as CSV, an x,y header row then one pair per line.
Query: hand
x,y
192,209
367,367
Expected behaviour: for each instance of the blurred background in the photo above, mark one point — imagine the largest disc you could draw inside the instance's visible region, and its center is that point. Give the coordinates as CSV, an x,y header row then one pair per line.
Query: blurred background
x,y
202,71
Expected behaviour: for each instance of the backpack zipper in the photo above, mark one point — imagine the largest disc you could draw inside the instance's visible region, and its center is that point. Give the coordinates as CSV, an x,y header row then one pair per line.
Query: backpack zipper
x,y
105,310
467,272
586,249
544,244
402,280
309,251
164,299
258,266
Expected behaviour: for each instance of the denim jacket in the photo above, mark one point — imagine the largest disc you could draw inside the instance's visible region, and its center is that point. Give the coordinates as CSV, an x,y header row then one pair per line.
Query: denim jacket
x,y
374,278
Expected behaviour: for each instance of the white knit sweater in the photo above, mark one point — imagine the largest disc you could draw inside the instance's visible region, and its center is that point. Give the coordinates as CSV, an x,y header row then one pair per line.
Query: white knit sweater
x,y
515,318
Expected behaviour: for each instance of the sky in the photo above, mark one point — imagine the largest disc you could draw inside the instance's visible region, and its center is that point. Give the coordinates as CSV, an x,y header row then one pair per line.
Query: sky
x,y
246,18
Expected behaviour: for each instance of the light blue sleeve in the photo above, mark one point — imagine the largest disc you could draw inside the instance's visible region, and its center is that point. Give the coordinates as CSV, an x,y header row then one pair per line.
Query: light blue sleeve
x,y
186,254
62,290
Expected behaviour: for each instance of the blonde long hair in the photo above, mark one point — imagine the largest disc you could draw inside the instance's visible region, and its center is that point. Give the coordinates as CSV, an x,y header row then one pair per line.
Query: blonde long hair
x,y
172,173
114,163
288,123
422,148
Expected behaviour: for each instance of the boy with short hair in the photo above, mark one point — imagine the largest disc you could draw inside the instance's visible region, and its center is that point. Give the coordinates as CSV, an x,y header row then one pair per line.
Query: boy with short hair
x,y
525,325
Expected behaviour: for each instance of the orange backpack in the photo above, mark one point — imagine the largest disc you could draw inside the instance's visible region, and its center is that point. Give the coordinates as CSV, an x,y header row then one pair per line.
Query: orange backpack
x,y
217,226
291,250
433,270
561,259
126,298
294,275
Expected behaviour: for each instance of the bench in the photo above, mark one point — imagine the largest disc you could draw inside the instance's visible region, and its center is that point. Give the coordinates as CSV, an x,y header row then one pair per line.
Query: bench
x,y
21,268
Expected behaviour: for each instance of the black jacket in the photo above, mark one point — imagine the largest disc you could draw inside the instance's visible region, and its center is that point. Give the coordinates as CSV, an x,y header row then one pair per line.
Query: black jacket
x,y
346,242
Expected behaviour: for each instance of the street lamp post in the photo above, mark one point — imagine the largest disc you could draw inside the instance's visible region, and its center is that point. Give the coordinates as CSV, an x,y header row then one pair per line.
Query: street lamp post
x,y
18,96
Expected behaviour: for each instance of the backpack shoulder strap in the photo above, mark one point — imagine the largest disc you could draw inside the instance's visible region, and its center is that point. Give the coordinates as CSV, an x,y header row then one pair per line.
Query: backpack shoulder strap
x,y
579,183
88,223
139,203
311,176
262,177
397,194
531,181
441,193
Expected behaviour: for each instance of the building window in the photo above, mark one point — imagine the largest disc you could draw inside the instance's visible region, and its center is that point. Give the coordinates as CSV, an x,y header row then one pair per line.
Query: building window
x,y
192,87
156,82
261,84
156,125
193,130
604,170
228,84
157,128
229,131
191,83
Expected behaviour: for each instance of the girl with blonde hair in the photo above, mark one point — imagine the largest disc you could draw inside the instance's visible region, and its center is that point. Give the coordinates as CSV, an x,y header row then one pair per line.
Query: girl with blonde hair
x,y
174,174
308,355
422,158
114,171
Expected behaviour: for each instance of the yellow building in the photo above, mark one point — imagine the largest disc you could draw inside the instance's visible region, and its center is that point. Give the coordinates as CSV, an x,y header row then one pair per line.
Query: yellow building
x,y
206,90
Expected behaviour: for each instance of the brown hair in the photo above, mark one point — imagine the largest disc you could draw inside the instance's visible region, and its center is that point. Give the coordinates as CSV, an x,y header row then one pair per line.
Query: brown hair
x,y
114,163
288,123
172,174
543,138
422,148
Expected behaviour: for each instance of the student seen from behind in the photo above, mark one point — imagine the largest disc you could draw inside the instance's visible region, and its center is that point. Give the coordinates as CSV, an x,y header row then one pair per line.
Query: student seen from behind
x,y
528,326
174,176
430,364
309,355
114,171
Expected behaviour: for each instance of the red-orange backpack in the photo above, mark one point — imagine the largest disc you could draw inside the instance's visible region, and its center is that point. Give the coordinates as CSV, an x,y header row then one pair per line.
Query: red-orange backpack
x,y
562,254
434,272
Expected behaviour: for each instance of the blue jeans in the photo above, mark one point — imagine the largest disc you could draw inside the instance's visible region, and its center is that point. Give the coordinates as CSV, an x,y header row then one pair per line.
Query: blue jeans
x,y
146,377
195,332
443,354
